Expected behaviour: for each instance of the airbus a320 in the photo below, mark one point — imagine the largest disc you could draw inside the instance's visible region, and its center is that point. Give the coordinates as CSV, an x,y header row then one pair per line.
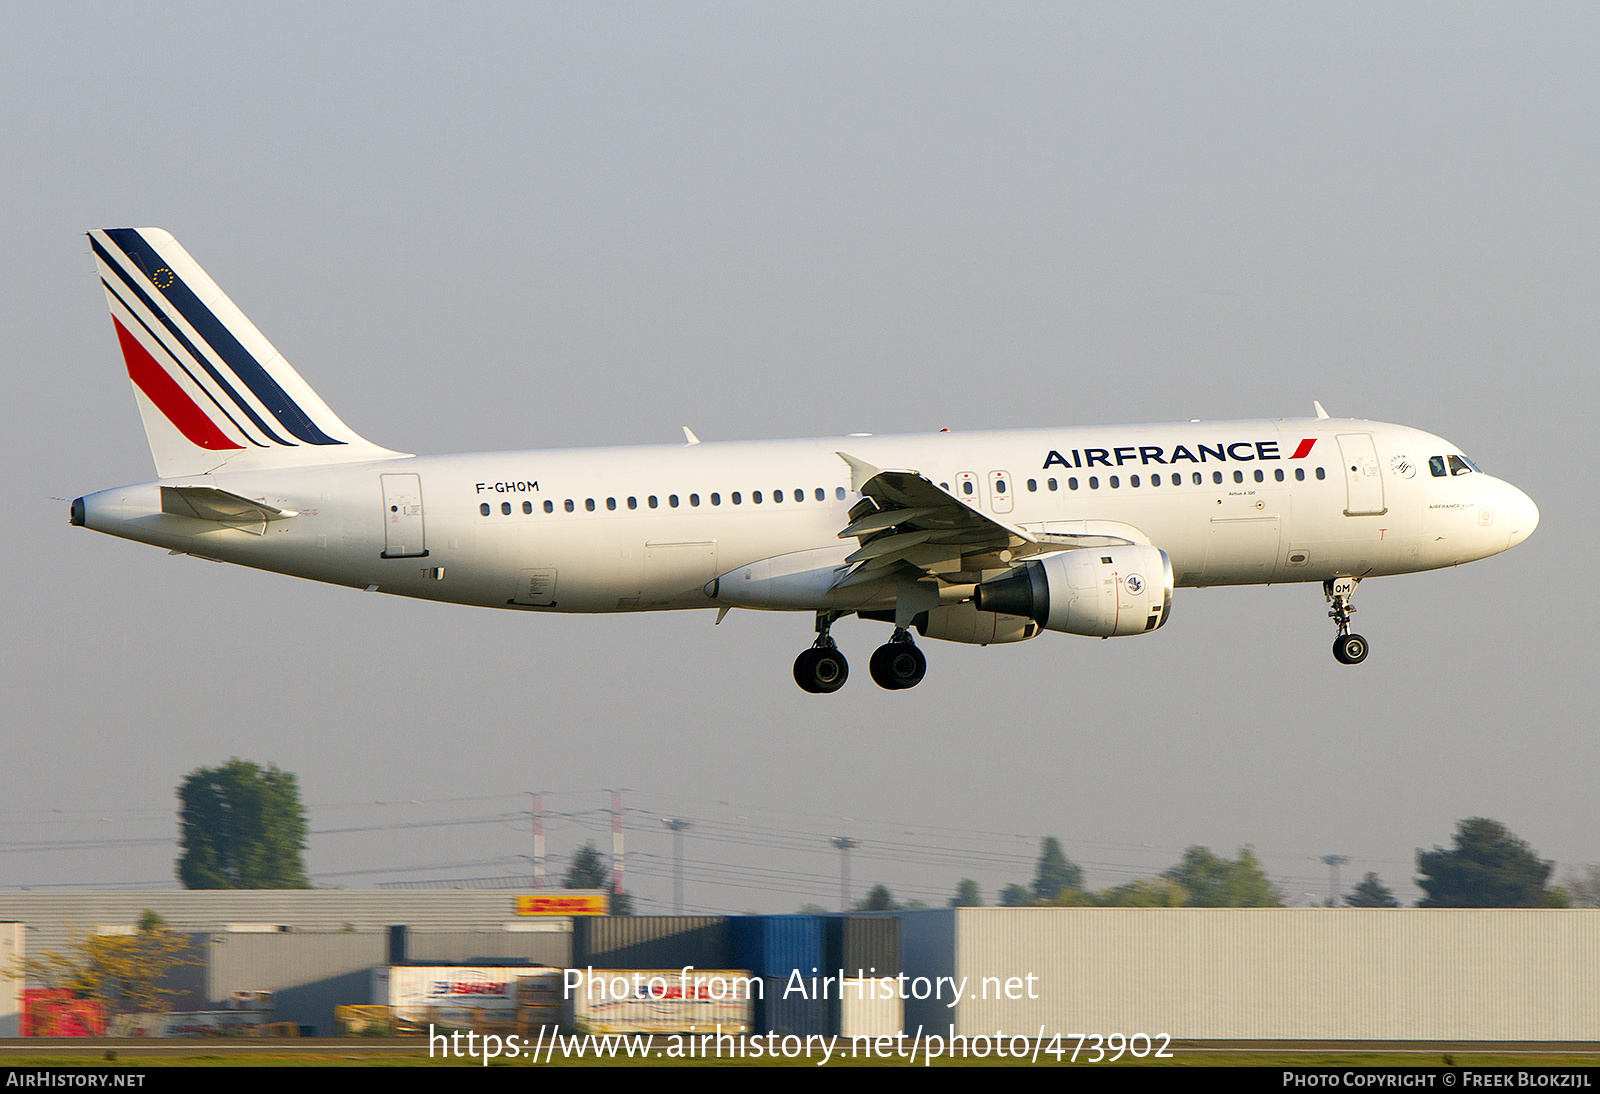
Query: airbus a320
x,y
982,537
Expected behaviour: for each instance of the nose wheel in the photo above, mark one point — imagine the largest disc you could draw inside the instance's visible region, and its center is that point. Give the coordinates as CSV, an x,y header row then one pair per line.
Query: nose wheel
x,y
898,664
1348,649
821,669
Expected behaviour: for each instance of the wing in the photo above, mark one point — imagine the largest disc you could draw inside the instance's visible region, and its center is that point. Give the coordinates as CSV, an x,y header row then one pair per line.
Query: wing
x,y
908,526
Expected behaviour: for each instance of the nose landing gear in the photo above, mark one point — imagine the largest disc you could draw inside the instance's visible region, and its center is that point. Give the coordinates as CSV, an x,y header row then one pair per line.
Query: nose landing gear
x,y
1348,649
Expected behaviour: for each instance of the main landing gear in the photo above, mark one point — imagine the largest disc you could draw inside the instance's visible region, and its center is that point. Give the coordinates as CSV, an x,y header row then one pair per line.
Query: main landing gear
x,y
895,665
1348,649
898,664
822,668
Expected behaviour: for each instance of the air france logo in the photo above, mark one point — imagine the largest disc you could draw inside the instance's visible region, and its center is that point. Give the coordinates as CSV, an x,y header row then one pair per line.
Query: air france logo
x,y
1222,452
1135,584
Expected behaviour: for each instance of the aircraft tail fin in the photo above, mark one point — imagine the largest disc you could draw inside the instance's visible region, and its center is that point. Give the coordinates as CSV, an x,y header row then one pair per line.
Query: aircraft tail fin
x,y
213,392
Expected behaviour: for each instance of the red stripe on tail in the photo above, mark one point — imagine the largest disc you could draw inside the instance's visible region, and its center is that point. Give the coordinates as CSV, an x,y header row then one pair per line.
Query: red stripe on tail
x,y
169,398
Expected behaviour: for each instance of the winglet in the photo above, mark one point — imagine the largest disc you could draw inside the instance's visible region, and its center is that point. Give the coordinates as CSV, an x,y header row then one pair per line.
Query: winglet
x,y
1320,412
861,472
689,437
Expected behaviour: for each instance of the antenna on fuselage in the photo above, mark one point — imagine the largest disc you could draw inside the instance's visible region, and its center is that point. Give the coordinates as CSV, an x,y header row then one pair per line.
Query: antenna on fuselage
x,y
1320,412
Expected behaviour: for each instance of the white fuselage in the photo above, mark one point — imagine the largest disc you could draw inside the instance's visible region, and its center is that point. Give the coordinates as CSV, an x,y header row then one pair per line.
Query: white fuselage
x,y
644,528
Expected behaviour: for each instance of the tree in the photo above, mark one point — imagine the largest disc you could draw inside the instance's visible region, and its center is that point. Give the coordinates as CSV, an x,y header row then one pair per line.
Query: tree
x,y
1016,896
968,895
589,871
1371,893
1583,887
1144,893
123,971
241,827
878,899
1054,872
1489,867
1215,882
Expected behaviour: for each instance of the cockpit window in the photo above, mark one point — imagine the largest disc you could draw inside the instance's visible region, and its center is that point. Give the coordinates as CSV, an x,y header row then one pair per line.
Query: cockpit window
x,y
1436,466
1460,465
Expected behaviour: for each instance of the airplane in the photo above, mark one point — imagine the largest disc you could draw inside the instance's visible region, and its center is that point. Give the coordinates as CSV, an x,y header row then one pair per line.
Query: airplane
x,y
981,537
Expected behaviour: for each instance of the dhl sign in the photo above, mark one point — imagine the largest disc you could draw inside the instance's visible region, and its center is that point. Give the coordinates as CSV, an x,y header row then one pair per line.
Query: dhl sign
x,y
563,904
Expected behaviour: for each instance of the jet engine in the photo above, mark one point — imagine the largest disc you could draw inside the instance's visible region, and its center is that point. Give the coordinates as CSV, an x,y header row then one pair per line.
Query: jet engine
x,y
1100,591
965,623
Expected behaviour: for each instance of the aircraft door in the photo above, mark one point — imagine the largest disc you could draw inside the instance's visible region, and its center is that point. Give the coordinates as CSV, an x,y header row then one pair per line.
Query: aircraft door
x,y
402,517
1363,478
1000,487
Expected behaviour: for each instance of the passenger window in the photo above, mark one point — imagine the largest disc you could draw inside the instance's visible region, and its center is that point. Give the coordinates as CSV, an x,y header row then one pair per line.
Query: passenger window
x,y
966,488
1260,475
1321,474
999,486
1133,480
1114,482
484,509
716,499
1436,466
1051,483
1299,474
1033,486
1094,482
549,507
822,495
1155,480
527,507
1238,476
799,495
777,496
1216,477
838,492
735,496
694,499
1198,478
672,500
611,503
1177,479
652,501
588,503
1072,484
569,505
755,496
505,508
633,503
1277,473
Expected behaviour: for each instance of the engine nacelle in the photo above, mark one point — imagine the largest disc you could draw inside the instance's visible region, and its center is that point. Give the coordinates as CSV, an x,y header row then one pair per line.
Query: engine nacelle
x,y
1100,591
965,623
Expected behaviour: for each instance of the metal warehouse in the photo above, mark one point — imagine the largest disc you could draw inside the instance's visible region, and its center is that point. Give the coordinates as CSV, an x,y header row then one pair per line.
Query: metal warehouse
x,y
1260,973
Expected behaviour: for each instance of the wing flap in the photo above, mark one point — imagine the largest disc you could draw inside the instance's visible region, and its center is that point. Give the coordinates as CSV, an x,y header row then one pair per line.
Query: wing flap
x,y
908,524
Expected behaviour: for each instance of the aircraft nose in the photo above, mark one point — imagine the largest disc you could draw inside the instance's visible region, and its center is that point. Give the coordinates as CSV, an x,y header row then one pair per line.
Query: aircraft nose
x,y
1522,514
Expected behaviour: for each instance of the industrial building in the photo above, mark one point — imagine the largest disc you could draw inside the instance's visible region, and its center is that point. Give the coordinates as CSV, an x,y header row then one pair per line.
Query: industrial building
x,y
1184,973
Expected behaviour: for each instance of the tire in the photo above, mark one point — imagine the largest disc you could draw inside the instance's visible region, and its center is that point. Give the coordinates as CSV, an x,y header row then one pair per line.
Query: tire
x,y
879,668
898,665
803,670
821,671
1350,649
